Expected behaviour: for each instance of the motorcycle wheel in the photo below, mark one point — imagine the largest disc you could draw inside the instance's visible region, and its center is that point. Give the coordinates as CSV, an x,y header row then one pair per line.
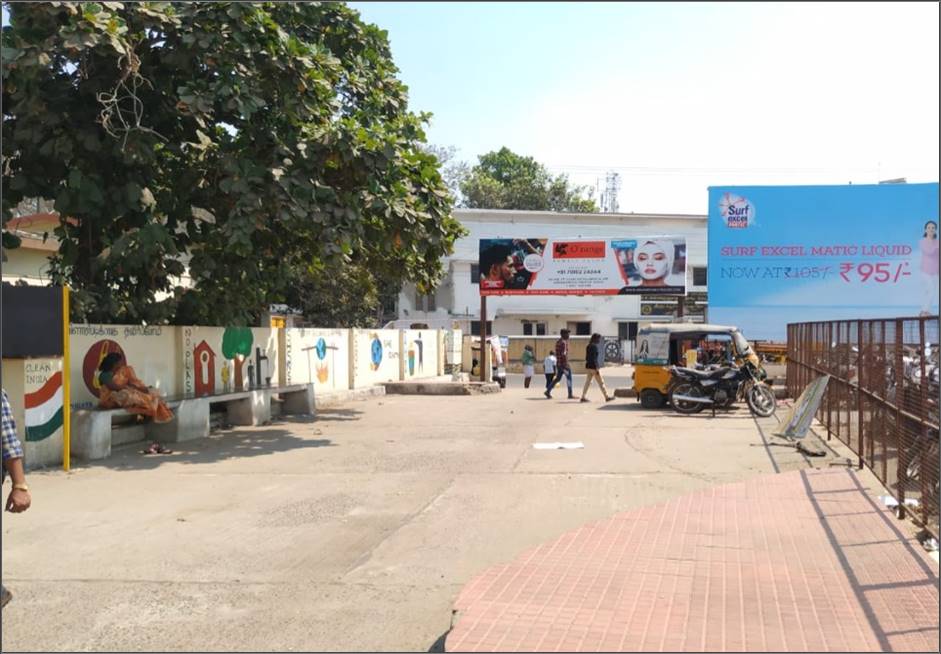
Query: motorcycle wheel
x,y
761,400
680,406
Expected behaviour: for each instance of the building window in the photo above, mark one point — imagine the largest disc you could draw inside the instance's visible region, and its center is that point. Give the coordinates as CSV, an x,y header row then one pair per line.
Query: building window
x,y
425,303
475,328
529,328
699,276
627,331
475,273
580,328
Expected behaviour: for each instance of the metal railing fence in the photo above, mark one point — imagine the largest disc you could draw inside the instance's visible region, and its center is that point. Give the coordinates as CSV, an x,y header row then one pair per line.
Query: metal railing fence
x,y
882,399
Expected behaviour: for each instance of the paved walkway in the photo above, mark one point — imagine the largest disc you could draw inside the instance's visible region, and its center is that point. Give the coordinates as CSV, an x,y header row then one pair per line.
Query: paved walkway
x,y
354,532
801,561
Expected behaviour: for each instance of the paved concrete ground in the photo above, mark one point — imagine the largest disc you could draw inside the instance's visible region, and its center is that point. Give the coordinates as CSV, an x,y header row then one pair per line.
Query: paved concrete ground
x,y
800,561
353,532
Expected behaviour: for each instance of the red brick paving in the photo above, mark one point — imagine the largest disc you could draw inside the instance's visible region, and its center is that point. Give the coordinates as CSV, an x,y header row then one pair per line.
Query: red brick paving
x,y
800,561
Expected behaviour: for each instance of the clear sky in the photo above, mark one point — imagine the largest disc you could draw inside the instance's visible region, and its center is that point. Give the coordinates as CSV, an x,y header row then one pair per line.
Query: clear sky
x,y
677,97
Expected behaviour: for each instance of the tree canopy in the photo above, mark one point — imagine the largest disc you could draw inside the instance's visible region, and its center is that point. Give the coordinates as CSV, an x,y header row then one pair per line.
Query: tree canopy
x,y
506,180
245,144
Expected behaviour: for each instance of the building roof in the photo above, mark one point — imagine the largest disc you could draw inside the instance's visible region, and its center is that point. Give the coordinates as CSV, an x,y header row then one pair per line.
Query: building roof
x,y
511,215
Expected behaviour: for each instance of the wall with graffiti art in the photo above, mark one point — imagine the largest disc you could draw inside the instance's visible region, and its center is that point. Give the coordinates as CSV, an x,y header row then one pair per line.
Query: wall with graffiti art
x,y
34,387
376,356
420,353
318,355
227,359
149,350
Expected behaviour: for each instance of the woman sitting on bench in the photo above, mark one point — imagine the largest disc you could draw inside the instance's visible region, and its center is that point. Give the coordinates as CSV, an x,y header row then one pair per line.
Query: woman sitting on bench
x,y
121,388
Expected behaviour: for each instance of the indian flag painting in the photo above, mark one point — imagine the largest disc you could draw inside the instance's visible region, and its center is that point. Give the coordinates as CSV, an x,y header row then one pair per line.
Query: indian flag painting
x,y
44,409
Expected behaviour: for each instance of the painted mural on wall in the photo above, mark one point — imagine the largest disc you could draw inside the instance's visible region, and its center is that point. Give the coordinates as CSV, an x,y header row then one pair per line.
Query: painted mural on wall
x,y
150,348
43,400
376,352
205,373
416,347
224,360
236,346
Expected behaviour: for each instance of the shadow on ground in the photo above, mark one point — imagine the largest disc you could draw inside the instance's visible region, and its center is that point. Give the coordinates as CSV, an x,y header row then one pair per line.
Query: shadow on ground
x,y
228,444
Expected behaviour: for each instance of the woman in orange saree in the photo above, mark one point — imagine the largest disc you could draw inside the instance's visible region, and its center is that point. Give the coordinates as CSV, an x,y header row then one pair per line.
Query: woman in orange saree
x,y
121,388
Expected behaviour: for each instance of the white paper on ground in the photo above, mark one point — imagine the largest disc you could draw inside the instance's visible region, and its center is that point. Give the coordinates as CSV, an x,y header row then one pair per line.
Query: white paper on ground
x,y
558,446
891,502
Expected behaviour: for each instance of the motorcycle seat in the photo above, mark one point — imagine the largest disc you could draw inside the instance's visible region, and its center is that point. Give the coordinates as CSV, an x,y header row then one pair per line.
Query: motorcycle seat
x,y
703,374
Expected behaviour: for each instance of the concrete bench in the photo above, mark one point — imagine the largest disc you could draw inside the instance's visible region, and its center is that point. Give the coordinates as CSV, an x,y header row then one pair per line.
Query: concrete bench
x,y
93,431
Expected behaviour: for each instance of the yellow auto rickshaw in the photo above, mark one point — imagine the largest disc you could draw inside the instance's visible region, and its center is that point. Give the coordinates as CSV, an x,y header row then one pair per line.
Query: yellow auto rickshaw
x,y
662,345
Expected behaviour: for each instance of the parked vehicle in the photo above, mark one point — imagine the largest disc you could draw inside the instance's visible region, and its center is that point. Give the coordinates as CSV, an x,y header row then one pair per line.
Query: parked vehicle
x,y
693,390
660,346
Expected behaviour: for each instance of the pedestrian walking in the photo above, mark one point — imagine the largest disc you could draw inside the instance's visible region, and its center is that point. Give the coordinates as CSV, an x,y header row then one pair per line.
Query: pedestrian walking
x,y
18,500
594,362
562,364
548,367
529,365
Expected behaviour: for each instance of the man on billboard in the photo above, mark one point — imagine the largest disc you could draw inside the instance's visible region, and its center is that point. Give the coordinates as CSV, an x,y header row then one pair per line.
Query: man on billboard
x,y
496,267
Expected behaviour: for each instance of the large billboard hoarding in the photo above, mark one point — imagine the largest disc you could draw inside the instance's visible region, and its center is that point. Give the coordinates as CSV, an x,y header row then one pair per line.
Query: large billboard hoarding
x,y
780,254
654,265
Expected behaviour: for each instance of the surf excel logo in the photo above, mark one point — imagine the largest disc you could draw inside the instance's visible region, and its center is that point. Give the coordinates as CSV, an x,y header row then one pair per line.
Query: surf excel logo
x,y
737,211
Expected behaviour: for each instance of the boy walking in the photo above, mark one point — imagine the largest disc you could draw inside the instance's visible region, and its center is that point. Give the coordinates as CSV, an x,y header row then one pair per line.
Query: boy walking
x,y
548,367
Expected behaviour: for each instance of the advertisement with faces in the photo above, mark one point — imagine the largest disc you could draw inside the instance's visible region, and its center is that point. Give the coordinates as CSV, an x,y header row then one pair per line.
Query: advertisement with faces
x,y
654,265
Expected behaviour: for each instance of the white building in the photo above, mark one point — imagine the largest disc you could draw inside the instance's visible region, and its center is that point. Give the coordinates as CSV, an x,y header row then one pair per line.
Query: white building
x,y
457,298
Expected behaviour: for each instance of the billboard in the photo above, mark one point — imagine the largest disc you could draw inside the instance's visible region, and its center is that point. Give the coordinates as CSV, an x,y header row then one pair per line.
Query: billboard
x,y
780,254
654,265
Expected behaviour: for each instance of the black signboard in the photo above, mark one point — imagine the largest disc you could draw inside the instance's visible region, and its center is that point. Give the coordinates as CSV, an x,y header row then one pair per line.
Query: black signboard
x,y
32,321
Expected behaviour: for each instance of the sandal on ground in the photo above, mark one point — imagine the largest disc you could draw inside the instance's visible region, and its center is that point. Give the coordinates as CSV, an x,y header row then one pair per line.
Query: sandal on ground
x,y
156,448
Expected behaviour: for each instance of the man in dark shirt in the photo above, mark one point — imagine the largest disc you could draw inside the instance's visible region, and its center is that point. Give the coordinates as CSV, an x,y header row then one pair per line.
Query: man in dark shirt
x,y
562,364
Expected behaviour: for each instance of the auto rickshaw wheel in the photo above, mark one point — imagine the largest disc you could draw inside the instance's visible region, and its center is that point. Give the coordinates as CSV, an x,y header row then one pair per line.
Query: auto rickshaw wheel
x,y
651,399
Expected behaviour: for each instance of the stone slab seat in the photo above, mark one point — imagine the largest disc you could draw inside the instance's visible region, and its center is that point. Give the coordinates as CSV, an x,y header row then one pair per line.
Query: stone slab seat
x,y
91,429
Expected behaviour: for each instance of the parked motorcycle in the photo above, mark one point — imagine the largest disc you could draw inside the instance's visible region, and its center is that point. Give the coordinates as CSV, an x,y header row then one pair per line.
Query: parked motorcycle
x,y
692,390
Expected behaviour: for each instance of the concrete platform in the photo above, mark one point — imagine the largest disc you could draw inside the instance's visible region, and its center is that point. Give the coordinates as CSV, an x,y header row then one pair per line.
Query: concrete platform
x,y
800,561
441,388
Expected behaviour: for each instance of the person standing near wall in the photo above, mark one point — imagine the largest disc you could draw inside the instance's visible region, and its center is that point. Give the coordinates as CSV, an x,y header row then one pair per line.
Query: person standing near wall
x,y
594,362
529,365
562,363
928,246
18,500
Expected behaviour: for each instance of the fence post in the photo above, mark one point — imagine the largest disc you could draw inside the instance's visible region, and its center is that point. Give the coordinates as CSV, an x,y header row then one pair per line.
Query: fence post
x,y
859,386
829,371
923,414
902,458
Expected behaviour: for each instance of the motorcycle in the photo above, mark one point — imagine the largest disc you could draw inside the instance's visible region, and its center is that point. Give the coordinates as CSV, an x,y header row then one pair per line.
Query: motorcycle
x,y
692,390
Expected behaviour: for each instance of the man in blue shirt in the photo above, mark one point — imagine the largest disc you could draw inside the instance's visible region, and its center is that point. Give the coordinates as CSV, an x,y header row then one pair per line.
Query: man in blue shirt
x,y
18,500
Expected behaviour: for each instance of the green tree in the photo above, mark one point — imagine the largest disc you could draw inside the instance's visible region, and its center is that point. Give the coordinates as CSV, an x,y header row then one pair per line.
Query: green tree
x,y
347,299
506,180
236,346
453,170
246,142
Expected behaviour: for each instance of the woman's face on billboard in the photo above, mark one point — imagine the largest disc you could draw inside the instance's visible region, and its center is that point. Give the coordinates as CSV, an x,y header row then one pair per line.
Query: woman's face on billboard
x,y
651,261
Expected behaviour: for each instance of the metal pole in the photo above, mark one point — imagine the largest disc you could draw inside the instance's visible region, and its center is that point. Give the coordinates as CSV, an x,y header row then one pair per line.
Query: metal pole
x,y
902,458
484,346
859,385
66,389
680,306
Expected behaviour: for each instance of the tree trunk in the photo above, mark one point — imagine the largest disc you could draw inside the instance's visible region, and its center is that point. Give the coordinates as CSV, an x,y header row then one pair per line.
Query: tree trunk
x,y
238,371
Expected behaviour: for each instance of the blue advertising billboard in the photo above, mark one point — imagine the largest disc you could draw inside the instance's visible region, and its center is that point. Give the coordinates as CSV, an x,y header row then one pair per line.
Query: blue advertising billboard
x,y
780,254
